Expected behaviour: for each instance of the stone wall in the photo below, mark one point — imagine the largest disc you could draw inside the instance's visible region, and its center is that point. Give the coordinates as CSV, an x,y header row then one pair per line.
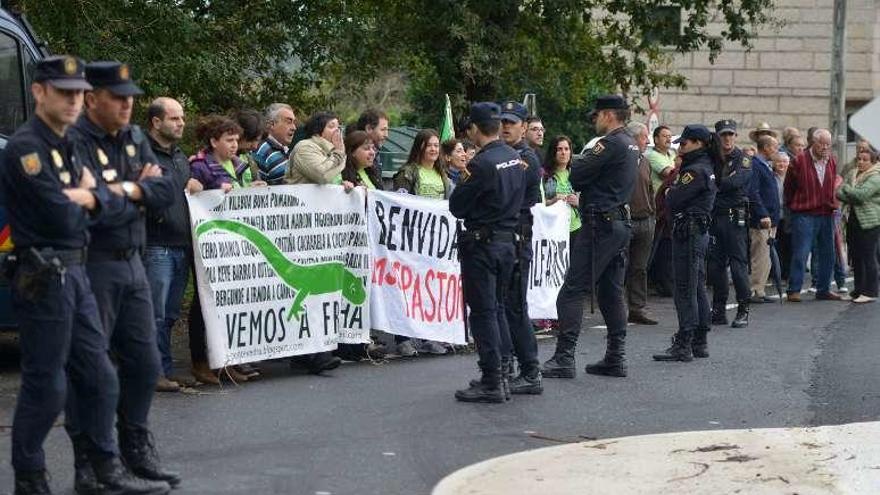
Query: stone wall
x,y
785,79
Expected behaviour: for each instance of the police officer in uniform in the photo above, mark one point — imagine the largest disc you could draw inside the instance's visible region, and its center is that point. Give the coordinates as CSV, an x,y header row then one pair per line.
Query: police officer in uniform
x,y
605,176
51,200
728,235
488,199
689,201
522,335
120,156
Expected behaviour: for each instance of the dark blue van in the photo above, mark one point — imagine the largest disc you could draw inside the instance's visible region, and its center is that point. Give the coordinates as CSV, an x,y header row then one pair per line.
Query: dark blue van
x,y
19,51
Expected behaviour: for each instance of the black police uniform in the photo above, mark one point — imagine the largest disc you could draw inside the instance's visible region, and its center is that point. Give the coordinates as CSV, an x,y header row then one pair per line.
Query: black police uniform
x,y
117,271
488,201
522,336
605,176
729,235
59,328
690,201
60,332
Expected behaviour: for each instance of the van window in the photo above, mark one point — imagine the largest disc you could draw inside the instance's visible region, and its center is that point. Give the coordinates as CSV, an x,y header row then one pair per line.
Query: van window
x,y
12,100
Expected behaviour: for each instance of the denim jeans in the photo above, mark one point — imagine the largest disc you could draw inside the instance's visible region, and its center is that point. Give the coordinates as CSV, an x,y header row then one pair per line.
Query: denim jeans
x,y
805,231
167,271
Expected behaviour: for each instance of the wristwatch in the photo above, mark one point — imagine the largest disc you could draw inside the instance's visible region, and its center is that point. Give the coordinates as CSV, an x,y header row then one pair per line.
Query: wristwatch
x,y
128,188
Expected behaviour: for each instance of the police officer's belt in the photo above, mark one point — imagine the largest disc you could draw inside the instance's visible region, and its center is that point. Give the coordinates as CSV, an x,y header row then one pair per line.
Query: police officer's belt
x,y
486,234
67,257
721,212
99,255
620,213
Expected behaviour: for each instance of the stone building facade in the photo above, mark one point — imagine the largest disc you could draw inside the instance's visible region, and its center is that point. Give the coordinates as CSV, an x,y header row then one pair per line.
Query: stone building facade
x,y
785,79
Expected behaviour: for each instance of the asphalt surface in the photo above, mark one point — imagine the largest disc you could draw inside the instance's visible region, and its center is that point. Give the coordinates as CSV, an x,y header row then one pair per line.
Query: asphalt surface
x,y
394,428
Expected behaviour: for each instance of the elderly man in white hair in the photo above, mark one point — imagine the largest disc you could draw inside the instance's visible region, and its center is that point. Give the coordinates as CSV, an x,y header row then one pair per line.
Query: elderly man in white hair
x,y
642,211
809,196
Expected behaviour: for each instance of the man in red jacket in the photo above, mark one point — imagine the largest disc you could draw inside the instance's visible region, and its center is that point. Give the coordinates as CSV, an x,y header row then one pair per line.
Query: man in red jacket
x,y
809,195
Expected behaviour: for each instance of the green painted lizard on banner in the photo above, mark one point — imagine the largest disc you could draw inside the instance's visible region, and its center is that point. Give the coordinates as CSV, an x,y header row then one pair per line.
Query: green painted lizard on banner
x,y
306,280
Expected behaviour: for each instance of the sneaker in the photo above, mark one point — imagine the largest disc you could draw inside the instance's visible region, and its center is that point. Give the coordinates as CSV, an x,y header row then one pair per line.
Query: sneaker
x,y
812,290
406,349
376,351
864,299
166,385
842,290
432,347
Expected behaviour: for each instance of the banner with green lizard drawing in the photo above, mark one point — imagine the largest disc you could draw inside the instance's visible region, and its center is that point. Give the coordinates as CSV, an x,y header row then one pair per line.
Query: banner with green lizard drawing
x,y
281,270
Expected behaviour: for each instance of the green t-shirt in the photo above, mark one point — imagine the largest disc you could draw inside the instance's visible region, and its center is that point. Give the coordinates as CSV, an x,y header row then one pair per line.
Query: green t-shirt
x,y
365,179
430,184
659,162
230,169
563,188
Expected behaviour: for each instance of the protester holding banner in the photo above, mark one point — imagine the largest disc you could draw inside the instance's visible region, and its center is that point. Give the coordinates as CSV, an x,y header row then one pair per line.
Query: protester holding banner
x,y
488,201
555,184
360,154
423,175
217,165
320,158
252,130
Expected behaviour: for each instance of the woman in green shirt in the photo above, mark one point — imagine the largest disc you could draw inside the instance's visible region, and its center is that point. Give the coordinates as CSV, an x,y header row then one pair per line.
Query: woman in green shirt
x,y
423,174
359,156
555,184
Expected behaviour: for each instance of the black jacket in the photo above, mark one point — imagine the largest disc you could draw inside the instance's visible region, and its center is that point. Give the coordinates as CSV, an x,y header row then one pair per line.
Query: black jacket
x,y
170,227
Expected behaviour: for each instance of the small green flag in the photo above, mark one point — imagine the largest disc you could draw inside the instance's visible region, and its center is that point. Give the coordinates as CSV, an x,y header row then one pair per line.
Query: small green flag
x,y
447,132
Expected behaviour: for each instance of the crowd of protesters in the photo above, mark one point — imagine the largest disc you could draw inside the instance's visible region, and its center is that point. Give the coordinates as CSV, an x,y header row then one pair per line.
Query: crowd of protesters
x,y
802,204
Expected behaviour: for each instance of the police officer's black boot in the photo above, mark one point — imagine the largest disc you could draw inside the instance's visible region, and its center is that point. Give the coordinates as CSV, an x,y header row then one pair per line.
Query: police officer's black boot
x,y
719,315
614,362
742,316
561,365
84,480
680,350
140,455
31,483
700,345
488,389
528,382
117,480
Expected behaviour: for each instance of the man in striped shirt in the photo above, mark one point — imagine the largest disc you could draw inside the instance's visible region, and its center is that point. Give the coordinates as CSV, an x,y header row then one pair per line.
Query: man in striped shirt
x,y
273,153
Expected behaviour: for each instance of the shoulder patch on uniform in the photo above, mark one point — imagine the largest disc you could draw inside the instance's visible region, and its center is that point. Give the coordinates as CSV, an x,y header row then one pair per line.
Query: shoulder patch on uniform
x,y
747,162
686,178
598,148
31,164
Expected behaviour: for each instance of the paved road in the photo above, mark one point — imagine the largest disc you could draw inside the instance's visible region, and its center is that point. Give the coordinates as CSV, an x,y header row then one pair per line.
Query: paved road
x,y
395,428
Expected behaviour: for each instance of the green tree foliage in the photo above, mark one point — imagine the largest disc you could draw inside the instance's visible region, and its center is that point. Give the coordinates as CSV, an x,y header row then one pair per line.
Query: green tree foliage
x,y
222,54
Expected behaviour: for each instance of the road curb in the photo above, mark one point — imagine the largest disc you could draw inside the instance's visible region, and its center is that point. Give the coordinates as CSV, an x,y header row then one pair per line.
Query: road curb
x,y
842,459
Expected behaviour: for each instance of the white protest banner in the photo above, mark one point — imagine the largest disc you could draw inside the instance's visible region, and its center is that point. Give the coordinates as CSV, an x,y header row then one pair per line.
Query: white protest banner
x,y
550,258
280,271
416,280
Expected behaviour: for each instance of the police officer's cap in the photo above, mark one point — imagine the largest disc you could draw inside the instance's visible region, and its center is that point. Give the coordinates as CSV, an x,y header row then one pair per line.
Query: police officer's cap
x,y
512,111
483,112
62,71
695,132
112,76
608,102
725,126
